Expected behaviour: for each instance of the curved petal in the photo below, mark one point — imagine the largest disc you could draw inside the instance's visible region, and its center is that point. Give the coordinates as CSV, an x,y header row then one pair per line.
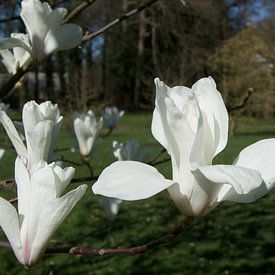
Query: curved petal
x,y
51,216
130,180
247,185
63,37
260,156
10,224
11,42
13,135
35,17
23,184
212,132
8,60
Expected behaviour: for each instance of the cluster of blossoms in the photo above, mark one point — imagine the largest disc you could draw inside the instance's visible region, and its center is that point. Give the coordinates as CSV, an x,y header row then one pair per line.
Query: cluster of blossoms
x,y
40,185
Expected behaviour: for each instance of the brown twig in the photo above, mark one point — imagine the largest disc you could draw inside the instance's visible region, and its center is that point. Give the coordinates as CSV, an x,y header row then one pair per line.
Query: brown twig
x,y
9,85
125,16
160,162
242,104
129,250
78,9
156,157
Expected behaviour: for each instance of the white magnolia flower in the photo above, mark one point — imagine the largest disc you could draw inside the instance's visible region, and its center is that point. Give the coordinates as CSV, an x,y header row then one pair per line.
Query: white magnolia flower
x,y
41,208
192,124
17,57
111,116
129,151
4,106
41,126
45,31
111,206
2,152
87,131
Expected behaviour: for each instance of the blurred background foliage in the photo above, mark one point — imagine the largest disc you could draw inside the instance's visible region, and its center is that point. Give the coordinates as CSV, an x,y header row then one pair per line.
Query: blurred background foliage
x,y
178,41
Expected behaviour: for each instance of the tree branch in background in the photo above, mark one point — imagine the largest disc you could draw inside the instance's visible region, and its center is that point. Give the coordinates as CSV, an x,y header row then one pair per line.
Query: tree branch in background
x,y
7,88
185,225
242,104
118,20
156,157
78,9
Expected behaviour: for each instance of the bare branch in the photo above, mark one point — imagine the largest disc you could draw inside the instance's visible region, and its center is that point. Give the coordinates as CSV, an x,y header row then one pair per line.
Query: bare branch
x,y
118,20
78,9
156,157
242,104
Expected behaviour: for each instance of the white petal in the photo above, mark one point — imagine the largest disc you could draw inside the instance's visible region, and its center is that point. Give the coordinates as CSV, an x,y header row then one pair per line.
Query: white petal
x,y
260,156
8,60
10,42
2,152
212,130
10,225
22,180
63,37
247,185
13,134
51,216
130,180
35,17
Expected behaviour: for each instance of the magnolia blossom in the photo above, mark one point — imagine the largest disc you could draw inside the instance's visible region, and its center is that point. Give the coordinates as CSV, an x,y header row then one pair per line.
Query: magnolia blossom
x,y
45,32
41,208
111,116
129,151
111,206
192,124
41,126
2,152
16,58
87,131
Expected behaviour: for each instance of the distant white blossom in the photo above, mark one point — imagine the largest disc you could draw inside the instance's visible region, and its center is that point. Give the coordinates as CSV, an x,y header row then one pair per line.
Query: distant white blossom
x,y
87,131
129,151
111,206
111,116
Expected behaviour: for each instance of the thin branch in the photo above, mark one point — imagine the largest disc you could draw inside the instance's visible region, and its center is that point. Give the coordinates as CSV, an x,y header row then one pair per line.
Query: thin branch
x,y
125,16
156,157
78,9
9,85
128,250
160,161
83,179
242,104
8,19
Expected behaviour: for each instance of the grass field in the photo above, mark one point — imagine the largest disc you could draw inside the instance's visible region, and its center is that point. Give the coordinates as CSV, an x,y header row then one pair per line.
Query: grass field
x,y
233,239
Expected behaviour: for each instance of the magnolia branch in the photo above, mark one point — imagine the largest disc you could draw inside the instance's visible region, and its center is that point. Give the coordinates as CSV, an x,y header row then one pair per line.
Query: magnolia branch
x,y
185,225
118,20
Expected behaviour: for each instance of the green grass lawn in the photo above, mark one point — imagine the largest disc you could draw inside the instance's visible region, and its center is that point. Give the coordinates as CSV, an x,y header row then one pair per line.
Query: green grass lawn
x,y
233,239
